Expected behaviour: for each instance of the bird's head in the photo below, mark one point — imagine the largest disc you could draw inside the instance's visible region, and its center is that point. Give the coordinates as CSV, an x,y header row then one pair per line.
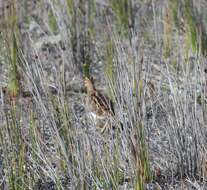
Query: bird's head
x,y
89,84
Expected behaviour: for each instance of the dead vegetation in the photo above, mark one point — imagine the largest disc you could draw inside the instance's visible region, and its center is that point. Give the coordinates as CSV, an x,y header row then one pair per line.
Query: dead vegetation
x,y
149,57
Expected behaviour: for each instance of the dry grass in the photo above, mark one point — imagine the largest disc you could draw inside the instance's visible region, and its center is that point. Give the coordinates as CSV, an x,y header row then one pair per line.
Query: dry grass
x,y
153,70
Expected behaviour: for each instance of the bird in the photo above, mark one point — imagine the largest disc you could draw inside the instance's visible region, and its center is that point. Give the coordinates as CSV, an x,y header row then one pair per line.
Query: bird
x,y
99,106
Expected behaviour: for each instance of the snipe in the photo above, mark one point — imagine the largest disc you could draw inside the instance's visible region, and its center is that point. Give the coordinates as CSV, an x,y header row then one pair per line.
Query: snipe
x,y
98,105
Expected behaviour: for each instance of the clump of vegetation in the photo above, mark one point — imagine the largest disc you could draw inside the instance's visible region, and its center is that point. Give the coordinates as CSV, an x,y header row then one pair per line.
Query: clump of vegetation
x,y
158,134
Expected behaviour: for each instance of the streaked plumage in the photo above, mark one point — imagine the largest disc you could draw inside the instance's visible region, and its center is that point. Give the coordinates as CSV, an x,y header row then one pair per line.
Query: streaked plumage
x,y
97,104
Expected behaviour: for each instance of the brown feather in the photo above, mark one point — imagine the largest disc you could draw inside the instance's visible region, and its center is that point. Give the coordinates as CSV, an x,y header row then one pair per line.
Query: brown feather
x,y
103,103
97,102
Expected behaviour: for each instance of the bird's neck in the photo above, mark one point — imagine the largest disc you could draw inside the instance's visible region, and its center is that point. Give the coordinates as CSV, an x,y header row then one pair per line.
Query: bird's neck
x,y
91,91
91,88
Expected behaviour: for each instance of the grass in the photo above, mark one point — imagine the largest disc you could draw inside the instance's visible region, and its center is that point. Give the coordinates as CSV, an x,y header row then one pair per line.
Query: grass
x,y
159,135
